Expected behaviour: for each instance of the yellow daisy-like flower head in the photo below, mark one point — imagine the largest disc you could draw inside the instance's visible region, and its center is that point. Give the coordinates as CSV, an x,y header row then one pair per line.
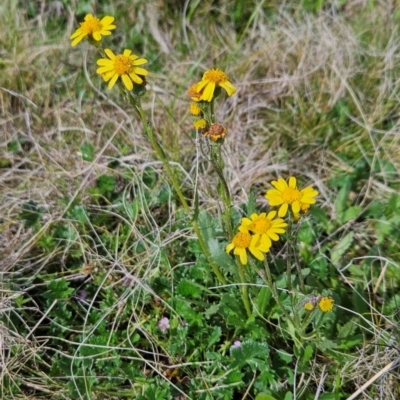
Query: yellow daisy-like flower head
x,y
287,194
194,93
265,226
124,65
93,27
242,242
216,131
212,79
195,109
326,303
309,306
200,124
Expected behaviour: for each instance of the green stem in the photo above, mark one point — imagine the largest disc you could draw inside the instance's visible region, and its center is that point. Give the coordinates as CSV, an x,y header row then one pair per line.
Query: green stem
x,y
297,262
217,162
274,291
160,152
243,287
289,256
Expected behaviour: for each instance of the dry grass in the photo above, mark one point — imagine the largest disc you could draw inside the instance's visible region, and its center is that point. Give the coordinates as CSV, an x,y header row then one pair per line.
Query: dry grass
x,y
290,75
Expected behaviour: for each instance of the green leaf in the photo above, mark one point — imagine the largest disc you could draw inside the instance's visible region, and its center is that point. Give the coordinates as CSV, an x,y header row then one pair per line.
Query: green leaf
x,y
346,330
306,234
206,225
251,353
264,396
341,247
106,183
78,213
263,299
351,341
285,356
214,337
31,213
87,151
220,257
288,396
320,215
351,213
58,290
307,354
341,199
132,208
213,309
187,288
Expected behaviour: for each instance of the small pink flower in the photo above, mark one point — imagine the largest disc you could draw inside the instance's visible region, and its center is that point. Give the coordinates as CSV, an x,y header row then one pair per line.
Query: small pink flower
x,y
163,324
237,344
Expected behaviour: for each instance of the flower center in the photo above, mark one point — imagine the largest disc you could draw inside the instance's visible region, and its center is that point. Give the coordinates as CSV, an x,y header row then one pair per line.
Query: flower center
x,y
91,26
122,64
261,226
242,240
290,195
215,75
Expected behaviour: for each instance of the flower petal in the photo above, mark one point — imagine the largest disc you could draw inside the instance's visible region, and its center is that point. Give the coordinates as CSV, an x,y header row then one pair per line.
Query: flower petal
x,y
292,182
296,207
112,81
127,81
110,54
229,247
283,210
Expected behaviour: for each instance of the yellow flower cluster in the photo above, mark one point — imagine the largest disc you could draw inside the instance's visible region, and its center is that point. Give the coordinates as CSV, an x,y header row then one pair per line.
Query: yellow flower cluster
x,y
255,234
202,93
125,66
324,303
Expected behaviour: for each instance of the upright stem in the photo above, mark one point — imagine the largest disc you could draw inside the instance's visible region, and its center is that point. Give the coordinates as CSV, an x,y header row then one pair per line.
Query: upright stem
x,y
243,288
274,292
216,160
160,152
292,239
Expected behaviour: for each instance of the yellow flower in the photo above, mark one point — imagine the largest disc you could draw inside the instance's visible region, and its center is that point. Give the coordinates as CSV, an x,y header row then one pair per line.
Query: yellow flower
x,y
200,124
286,194
122,65
195,109
211,79
243,241
326,303
194,93
94,28
304,208
309,306
216,131
264,226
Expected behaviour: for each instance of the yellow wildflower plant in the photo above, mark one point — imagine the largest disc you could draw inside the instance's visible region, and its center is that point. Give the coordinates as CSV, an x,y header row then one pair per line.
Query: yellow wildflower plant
x,y
264,226
124,66
212,79
94,28
287,194
242,242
